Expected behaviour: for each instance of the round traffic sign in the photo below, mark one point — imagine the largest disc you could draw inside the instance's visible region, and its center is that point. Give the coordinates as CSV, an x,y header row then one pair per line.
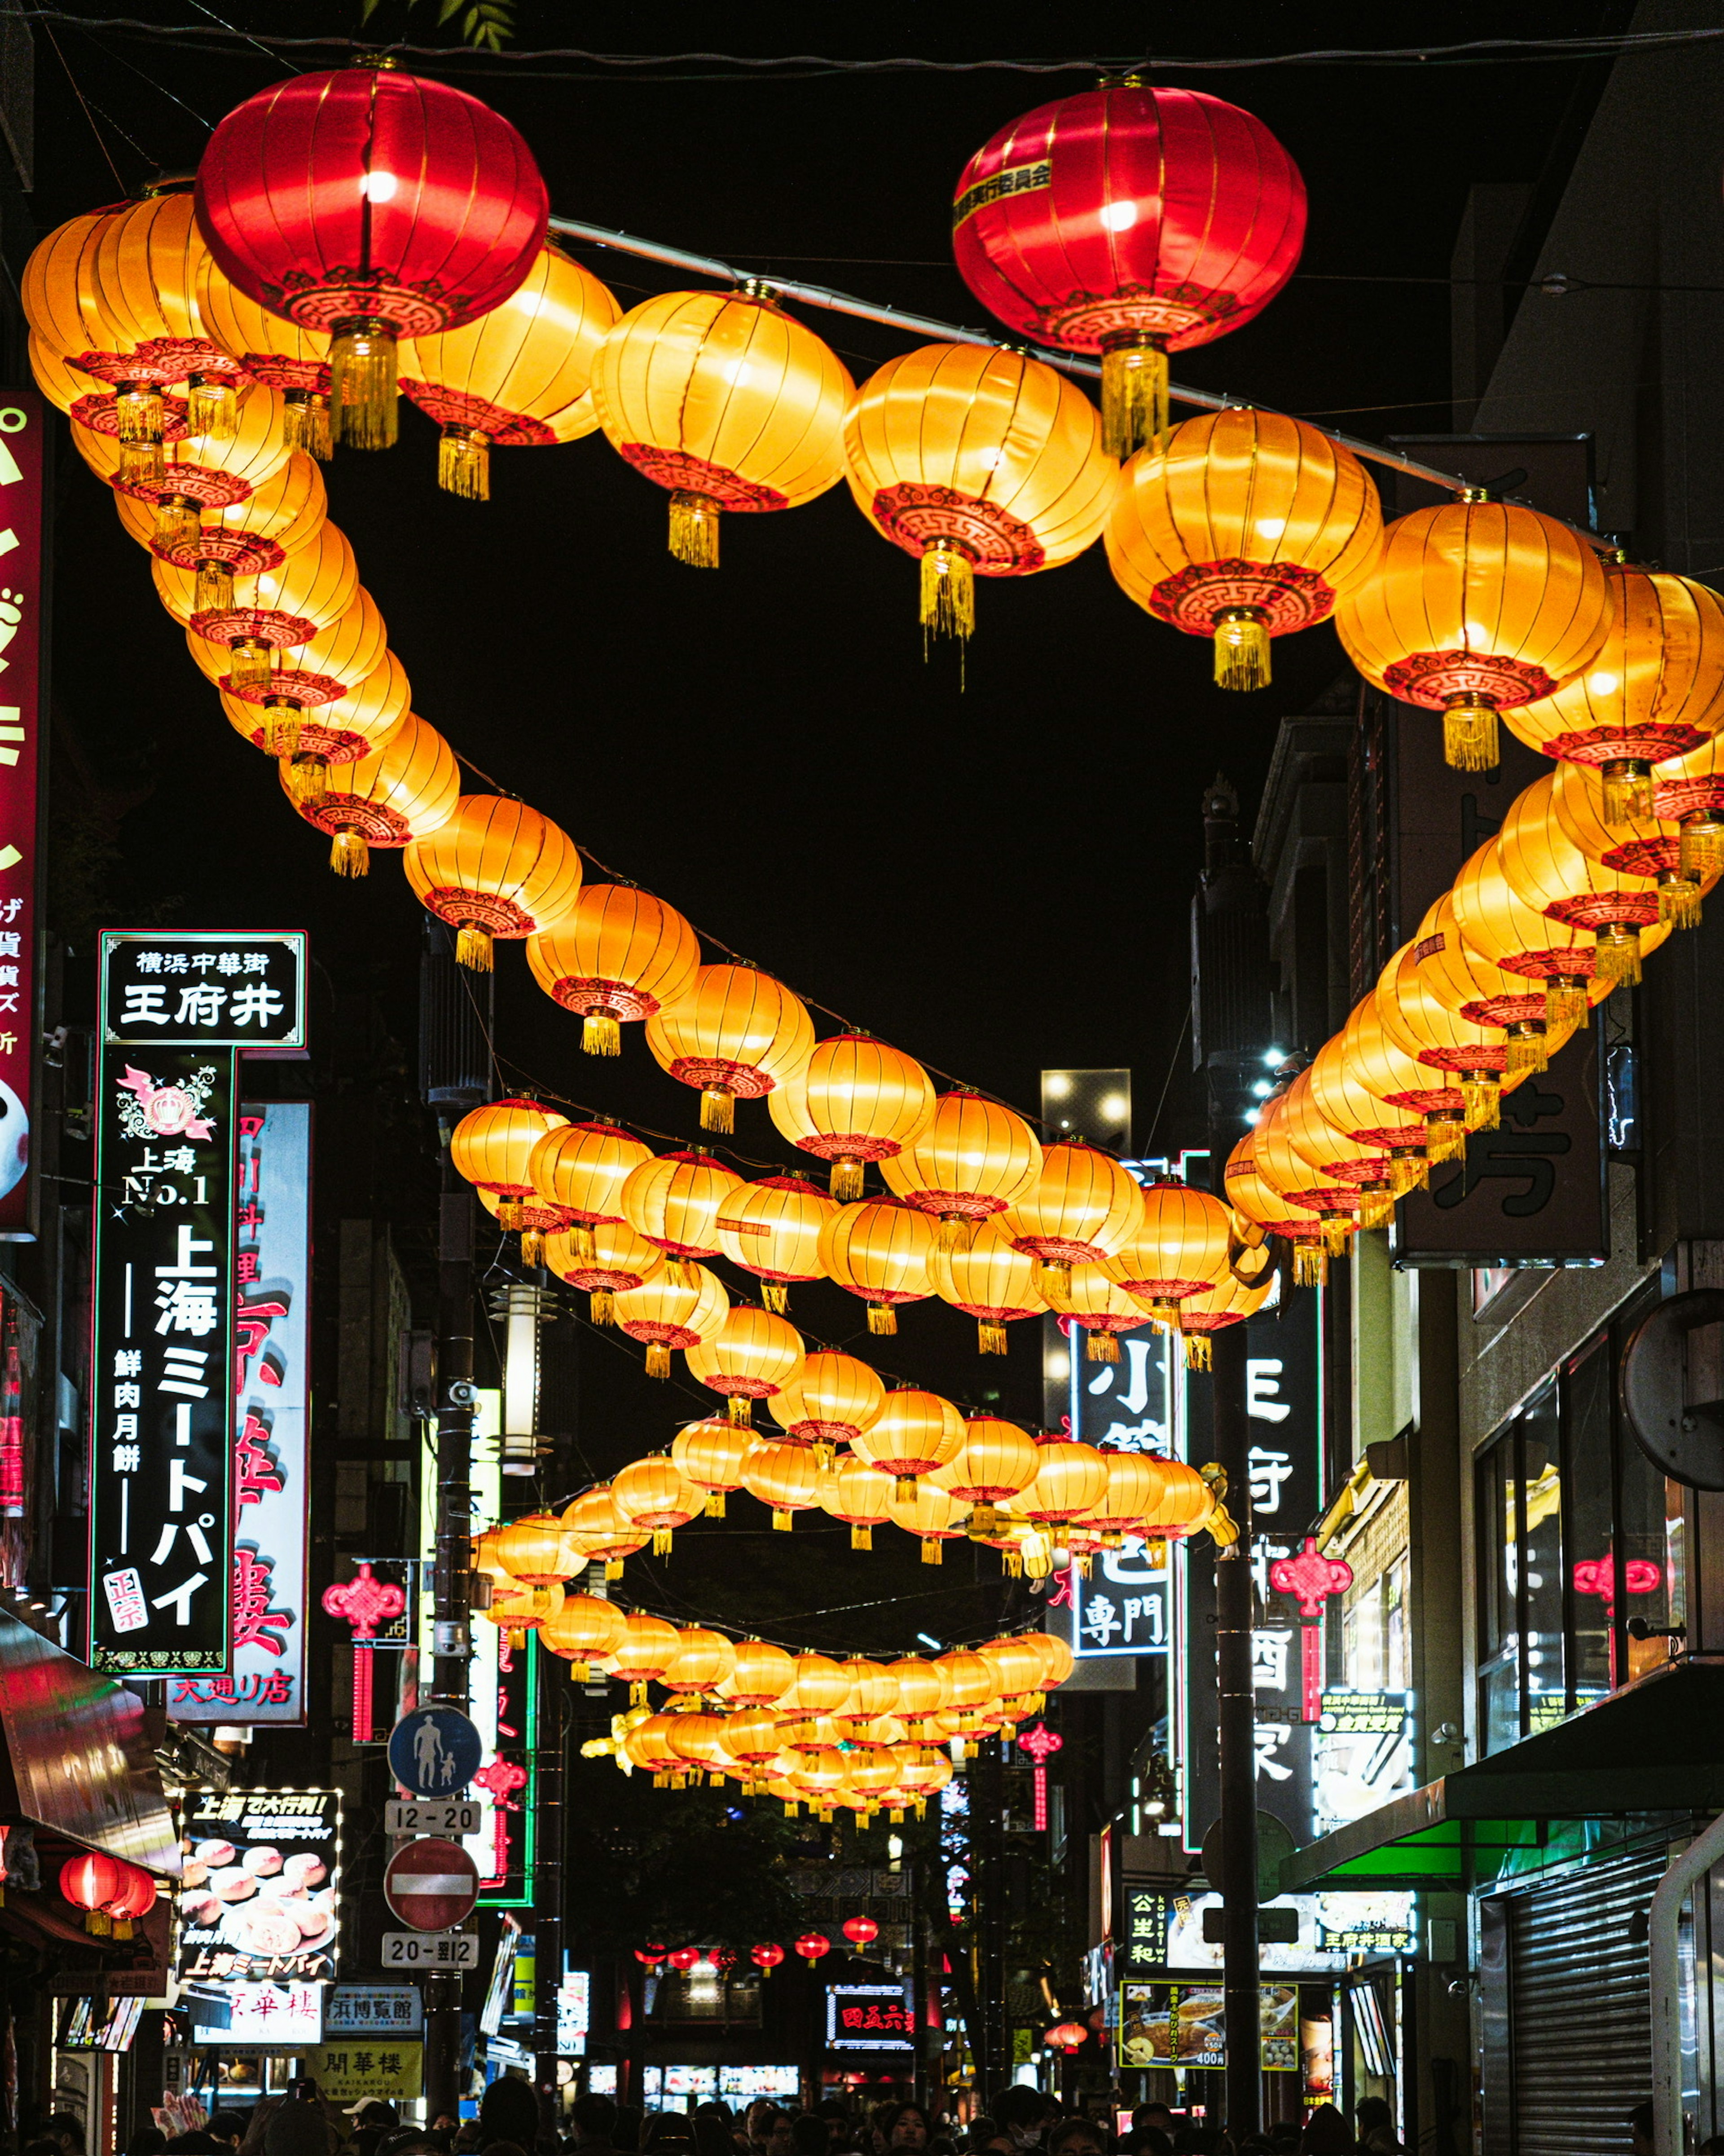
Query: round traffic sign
x,y
434,1751
431,1885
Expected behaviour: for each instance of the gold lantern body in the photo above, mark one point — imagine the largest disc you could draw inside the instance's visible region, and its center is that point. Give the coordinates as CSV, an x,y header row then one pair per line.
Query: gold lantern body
x,y
975,1159
915,1433
665,1313
989,1279
736,1034
831,1401
751,1357
856,1100
674,1199
496,869
772,1228
879,1250
710,1455
619,954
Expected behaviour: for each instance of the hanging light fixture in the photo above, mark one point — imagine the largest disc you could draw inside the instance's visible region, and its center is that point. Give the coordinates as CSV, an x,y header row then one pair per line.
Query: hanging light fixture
x,y
710,1456
975,1159
830,1401
582,1166
751,1357
736,1032
989,1279
879,1250
772,1228
496,869
605,1261
665,1313
618,955
674,1199
856,1101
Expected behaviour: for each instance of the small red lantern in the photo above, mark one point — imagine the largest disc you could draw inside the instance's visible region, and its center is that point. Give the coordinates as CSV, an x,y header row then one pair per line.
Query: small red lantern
x,y
652,1954
684,1959
765,1958
135,1898
89,1882
860,1931
372,204
1066,2036
812,1945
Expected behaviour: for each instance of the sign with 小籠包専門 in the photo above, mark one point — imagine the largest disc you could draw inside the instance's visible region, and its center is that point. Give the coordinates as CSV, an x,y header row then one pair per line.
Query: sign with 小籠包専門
x,y
233,989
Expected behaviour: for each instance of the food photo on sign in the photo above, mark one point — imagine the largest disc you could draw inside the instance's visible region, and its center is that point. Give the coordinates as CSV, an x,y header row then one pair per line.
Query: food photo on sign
x,y
260,1895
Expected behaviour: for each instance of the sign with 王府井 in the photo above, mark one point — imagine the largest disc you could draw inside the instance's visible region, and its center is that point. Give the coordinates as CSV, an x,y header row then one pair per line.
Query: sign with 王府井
x,y
234,988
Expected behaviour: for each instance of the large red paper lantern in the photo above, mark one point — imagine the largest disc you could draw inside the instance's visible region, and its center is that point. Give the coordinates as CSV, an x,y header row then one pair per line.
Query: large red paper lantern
x,y
860,1931
765,1958
812,1945
373,205
91,1882
1134,223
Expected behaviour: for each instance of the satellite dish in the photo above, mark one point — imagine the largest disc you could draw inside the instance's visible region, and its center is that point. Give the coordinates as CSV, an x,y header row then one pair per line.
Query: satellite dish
x,y
1672,1388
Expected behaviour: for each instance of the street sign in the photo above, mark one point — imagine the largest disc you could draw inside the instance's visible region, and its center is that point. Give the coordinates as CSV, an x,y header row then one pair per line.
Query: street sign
x,y
446,1815
434,1752
432,1884
430,1949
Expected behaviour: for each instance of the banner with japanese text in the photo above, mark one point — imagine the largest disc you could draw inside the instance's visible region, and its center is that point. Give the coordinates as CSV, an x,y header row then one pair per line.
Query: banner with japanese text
x,y
161,1523
22,644
266,1680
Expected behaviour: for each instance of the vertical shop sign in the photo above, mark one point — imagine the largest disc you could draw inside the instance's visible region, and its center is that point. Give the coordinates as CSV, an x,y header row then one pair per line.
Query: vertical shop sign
x,y
266,1682
21,647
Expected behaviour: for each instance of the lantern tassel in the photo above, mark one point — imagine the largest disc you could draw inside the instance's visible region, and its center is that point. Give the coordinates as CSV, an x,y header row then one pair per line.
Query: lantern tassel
x,y
956,1232
308,782
846,1181
177,525
613,1568
948,593
1566,1002
776,1296
741,1411
1377,1209
473,949
861,1537
281,727
783,1522
718,1109
1197,1350
361,386
349,855
1627,788
715,1504
251,663
661,1540
1015,1562
1528,1047
213,407
1445,1139
214,590
1310,1265
601,1305
600,1033
1241,648
1469,734
933,1550
984,1520
1702,851
137,411
463,463
141,463
882,1318
694,529
1482,1094
1679,902
532,1247
991,1336
1101,1347
1134,396
658,1359
306,423
1408,1172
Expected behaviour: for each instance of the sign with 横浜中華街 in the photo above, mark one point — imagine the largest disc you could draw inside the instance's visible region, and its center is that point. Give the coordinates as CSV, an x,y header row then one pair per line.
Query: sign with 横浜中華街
x,y
233,989
160,1516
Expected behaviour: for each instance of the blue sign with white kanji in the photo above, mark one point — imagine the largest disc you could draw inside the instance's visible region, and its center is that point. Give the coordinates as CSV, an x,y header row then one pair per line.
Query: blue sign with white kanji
x,y
434,1752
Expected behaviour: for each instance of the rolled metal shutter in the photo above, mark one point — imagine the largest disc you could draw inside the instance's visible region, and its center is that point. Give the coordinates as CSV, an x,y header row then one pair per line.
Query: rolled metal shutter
x,y
1580,2017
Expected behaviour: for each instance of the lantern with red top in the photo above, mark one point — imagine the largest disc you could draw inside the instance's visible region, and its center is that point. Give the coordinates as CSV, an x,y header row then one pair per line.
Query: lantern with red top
x,y
860,1931
766,1959
652,1954
1311,1578
134,1900
91,1882
683,1959
1129,222
374,205
812,1945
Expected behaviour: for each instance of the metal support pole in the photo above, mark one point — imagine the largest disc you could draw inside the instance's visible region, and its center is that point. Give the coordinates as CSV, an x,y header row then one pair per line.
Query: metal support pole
x,y
552,1764
1234,1612
989,2043
1663,1950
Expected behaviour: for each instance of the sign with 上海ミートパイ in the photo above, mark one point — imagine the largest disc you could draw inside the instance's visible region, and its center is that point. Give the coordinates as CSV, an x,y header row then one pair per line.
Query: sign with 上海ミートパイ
x,y
434,1751
204,988
265,1681
259,1896
432,1884
162,1585
382,2067
23,419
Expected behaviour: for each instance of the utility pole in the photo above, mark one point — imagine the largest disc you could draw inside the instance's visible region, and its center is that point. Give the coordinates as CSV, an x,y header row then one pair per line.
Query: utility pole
x,y
1231,1023
552,1764
990,2042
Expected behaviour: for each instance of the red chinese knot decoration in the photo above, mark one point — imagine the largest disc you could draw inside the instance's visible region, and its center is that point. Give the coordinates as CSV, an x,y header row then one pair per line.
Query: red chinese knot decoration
x,y
373,205
1310,1578
1134,223
1041,1743
365,1602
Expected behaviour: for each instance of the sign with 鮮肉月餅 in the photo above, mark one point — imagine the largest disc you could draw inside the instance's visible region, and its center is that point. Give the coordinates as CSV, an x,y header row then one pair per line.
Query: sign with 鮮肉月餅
x,y
237,989
22,417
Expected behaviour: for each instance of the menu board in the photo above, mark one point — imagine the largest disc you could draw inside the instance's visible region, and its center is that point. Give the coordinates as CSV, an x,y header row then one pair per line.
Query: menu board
x,y
259,1897
1185,2024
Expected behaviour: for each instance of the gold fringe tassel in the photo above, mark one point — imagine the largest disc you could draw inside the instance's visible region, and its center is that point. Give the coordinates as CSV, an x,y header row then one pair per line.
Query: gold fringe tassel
x,y
694,529
658,1359
613,1568
905,1486
1482,1093
983,1520
600,1033
776,1296
1310,1265
718,1109
1445,1138
349,855
741,1411
991,1336
661,1542
948,593
1015,1562
532,1247
1528,1046
715,1504
463,463
1337,1234
141,464
178,524
473,949
249,658
1376,1208
308,782
1627,786
281,727
213,407
361,386
1053,1281
306,423
214,589
783,1522
1408,1171
933,1550
846,1181
582,1245
1197,1350
137,410
1566,1002
1241,648
956,1232
1101,1347
1701,846
1678,901
861,1537
1469,734
601,1305
882,1318
1134,398
1617,957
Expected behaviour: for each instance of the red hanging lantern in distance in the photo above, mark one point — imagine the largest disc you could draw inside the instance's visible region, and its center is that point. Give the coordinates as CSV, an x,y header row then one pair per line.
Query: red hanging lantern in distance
x,y
860,1931
812,1945
1133,222
374,205
766,1959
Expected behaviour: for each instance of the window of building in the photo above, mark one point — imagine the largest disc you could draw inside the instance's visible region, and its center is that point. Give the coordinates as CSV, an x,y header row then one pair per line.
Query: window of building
x,y
1570,1520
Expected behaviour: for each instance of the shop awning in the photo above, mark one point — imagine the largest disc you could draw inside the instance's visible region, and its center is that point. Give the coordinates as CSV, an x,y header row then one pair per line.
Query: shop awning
x,y
1656,1746
79,1762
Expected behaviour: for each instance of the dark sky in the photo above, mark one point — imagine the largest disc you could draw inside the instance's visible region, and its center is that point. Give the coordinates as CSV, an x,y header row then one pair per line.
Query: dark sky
x,y
995,879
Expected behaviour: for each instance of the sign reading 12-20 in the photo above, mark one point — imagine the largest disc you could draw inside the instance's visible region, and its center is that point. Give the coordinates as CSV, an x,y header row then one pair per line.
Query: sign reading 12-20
x,y
186,991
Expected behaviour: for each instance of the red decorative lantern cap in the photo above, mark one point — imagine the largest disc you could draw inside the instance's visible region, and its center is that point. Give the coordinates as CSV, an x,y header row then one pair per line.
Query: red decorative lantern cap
x,y
860,1931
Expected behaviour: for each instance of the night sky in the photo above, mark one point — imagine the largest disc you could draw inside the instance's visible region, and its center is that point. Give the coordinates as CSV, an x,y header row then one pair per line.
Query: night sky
x,y
994,879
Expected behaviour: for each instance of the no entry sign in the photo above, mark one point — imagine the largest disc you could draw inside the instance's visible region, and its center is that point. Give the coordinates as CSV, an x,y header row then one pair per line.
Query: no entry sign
x,y
431,1885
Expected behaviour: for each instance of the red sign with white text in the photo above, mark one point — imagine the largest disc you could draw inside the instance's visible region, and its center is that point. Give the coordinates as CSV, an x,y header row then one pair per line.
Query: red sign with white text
x,y
22,422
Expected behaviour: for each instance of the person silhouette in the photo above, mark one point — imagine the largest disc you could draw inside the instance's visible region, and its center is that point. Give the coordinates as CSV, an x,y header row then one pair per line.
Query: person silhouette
x,y
429,1753
447,1774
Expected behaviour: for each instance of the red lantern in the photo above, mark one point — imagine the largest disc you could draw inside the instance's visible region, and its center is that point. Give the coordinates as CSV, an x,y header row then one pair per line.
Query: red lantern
x,y
684,1959
91,1882
1066,2036
652,1954
374,205
766,1957
860,1931
135,1898
812,1945
1131,222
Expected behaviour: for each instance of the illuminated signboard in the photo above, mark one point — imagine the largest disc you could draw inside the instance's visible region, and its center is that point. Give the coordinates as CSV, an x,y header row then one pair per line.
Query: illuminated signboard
x,y
1126,1606
258,2017
1185,2025
870,2017
1363,1754
22,426
203,989
259,1897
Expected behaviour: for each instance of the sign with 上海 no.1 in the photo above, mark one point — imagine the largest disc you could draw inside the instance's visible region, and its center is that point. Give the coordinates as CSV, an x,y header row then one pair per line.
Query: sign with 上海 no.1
x,y
206,988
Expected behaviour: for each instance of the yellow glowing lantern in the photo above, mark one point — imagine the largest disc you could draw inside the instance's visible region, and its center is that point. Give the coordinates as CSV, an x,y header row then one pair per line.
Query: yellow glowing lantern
x,y
273,609
879,1250
369,713
605,1259
751,1357
497,868
856,1100
736,1032
202,474
927,1512
772,1228
601,1530
859,1495
257,529
994,1461
830,1401
1083,1208
914,1433
537,1551
1230,1303
491,1145
762,1674
582,1167
1547,870
975,1158
787,1477
989,1279
665,1313
618,955
709,1455
647,1648
1087,1296
705,1658
320,674
1178,1250
674,1199
653,1494
1303,1187
1630,842
583,1631
1070,1478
